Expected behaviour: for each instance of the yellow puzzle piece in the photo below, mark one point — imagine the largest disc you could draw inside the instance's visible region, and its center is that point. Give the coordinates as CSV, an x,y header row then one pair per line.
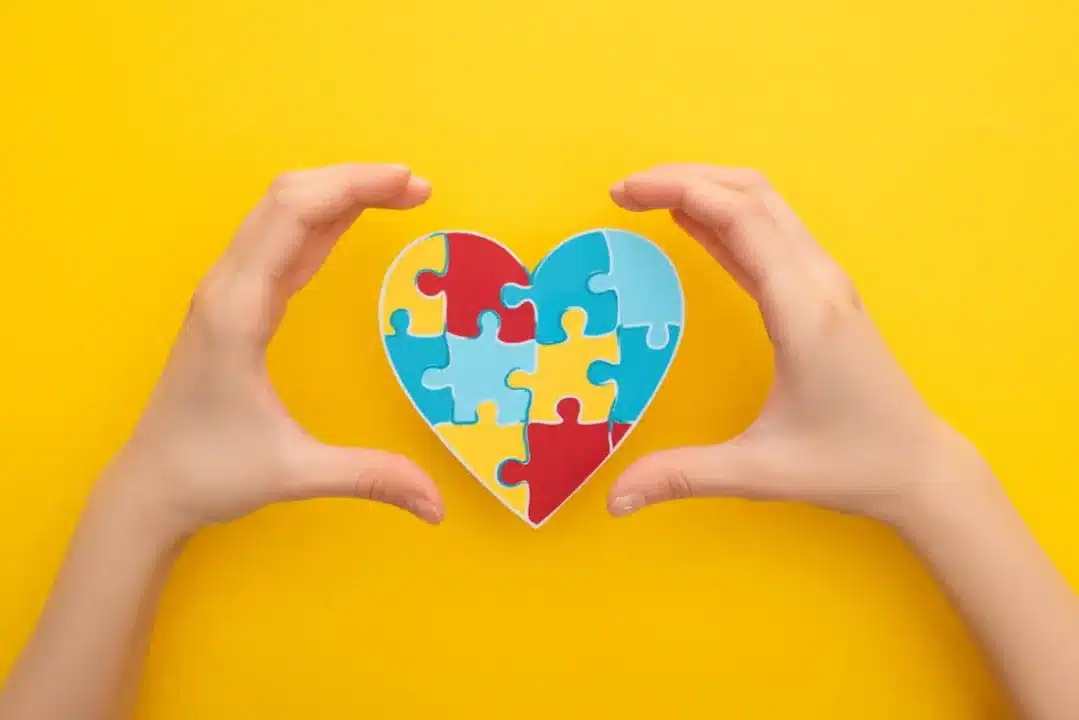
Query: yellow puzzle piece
x,y
483,446
562,371
428,314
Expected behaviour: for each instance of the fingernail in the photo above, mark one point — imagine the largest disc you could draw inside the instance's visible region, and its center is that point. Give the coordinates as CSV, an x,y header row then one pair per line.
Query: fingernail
x,y
619,187
399,167
419,182
425,510
625,504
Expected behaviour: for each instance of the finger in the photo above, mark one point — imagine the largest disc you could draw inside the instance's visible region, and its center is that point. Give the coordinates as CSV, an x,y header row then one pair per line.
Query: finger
x,y
326,194
318,205
746,180
740,224
726,470
621,196
707,238
328,471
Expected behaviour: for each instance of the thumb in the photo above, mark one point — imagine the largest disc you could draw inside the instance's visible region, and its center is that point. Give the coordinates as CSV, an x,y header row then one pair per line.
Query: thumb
x,y
732,469
385,477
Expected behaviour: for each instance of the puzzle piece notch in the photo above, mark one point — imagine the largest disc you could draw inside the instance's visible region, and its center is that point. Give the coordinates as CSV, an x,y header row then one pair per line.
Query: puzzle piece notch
x,y
560,282
646,283
477,268
483,446
561,457
411,357
562,371
637,374
478,370
399,292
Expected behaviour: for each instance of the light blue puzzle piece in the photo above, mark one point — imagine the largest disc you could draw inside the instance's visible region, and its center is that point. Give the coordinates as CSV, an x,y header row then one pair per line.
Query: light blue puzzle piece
x,y
637,375
477,372
411,356
560,282
647,286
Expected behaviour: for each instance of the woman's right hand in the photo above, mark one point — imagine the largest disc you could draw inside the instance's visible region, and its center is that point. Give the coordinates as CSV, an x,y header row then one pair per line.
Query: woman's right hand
x,y
843,427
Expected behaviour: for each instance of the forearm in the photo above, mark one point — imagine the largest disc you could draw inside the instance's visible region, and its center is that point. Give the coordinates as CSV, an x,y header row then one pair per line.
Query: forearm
x,y
1016,602
87,650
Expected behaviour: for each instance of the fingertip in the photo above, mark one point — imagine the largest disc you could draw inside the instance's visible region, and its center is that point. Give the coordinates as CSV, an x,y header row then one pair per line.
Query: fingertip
x,y
622,197
621,505
629,492
427,511
415,193
418,493
419,187
650,192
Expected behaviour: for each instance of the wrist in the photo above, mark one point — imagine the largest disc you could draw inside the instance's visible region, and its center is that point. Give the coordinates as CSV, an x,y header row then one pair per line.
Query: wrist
x,y
129,499
953,484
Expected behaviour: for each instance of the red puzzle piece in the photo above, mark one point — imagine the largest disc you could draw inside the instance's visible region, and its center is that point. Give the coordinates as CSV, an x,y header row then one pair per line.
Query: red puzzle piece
x,y
618,431
560,459
476,270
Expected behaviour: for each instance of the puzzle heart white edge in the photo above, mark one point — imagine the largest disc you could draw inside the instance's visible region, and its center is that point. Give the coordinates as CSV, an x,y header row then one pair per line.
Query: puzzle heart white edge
x,y
674,355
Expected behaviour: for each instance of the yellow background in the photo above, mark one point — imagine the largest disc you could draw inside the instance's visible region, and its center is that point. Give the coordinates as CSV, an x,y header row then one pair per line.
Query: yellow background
x,y
930,144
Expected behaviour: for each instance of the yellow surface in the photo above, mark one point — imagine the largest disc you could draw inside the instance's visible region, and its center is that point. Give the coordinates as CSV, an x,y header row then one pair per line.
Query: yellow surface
x,y
930,145
427,314
485,445
562,371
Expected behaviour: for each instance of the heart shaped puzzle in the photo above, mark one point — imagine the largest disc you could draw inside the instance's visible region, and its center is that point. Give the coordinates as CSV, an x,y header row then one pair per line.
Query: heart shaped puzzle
x,y
531,379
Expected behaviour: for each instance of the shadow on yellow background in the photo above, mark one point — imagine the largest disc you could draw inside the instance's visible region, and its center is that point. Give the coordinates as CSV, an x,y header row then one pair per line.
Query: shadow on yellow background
x,y
930,145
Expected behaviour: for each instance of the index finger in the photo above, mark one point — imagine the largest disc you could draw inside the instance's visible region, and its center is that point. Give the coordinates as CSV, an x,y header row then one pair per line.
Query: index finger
x,y
318,205
742,232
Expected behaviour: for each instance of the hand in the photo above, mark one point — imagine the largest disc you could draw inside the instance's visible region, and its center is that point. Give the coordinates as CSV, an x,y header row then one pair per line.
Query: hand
x,y
215,442
842,427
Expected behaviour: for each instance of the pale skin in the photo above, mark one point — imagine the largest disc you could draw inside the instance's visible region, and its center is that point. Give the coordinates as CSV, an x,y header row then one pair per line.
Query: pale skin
x,y
843,428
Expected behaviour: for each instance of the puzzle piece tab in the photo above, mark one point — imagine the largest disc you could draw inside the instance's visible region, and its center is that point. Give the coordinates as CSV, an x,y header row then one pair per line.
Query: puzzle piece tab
x,y
562,371
483,446
411,357
646,283
637,374
561,457
560,282
477,371
399,288
476,270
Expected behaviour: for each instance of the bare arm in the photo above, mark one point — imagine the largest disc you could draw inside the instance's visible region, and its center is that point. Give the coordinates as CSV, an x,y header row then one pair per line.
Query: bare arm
x,y
844,428
94,629
213,444
1021,609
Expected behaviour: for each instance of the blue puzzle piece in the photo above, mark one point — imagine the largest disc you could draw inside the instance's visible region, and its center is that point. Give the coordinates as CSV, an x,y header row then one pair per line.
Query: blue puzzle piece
x,y
560,282
477,372
411,357
647,286
638,373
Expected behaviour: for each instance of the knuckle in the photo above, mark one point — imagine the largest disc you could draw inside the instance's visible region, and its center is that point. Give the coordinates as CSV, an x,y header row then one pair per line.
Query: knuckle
x,y
754,179
205,300
841,288
228,308
370,486
677,484
286,192
745,205
287,180
840,302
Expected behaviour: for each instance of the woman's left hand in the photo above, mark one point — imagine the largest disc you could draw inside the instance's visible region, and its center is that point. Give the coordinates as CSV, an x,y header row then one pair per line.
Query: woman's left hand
x,y
215,442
